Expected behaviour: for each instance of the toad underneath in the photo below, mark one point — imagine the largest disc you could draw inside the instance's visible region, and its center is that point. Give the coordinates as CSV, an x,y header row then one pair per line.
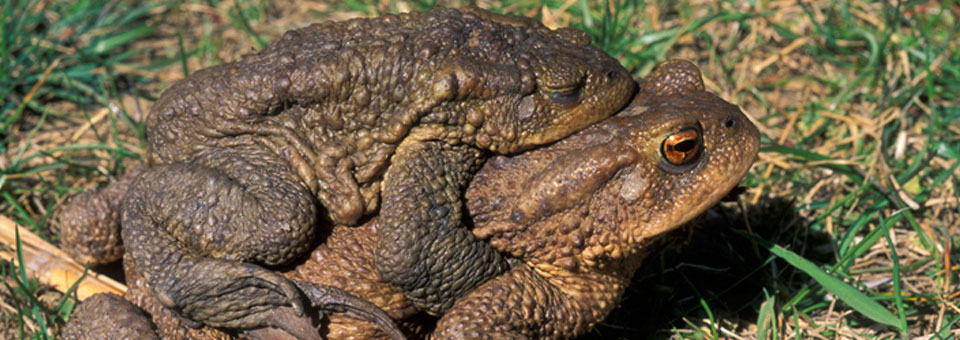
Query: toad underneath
x,y
332,123
577,217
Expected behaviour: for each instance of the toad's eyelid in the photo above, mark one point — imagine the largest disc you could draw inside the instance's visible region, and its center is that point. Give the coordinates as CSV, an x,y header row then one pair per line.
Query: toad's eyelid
x,y
566,85
562,90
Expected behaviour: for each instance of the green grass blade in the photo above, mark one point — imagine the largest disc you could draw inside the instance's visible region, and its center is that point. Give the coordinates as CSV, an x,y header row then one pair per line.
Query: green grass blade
x,y
123,38
845,292
944,332
897,293
34,305
767,319
806,155
860,248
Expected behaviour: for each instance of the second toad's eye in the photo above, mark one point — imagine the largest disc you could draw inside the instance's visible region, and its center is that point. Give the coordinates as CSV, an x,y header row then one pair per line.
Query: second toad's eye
x,y
682,147
565,96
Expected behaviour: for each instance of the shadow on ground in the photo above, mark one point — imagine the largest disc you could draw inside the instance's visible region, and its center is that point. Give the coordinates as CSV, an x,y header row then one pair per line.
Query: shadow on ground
x,y
716,265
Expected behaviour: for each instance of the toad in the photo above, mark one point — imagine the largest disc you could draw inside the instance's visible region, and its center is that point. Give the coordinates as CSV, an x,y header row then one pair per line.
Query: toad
x,y
577,216
331,123
589,207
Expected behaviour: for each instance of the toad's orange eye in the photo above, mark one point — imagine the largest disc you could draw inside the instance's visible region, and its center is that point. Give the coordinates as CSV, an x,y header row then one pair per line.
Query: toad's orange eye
x,y
681,148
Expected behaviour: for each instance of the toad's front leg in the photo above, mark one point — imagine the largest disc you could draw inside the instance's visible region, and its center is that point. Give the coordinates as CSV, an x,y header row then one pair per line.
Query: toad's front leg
x,y
423,247
522,304
197,232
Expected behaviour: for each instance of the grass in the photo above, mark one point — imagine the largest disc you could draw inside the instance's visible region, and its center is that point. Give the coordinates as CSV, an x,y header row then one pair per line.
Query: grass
x,y
848,225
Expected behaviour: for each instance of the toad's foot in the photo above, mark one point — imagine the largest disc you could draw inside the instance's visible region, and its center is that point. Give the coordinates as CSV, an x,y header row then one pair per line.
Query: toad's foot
x,y
330,299
234,295
286,324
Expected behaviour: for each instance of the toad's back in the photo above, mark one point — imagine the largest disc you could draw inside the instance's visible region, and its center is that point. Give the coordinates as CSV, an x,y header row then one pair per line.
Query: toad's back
x,y
342,95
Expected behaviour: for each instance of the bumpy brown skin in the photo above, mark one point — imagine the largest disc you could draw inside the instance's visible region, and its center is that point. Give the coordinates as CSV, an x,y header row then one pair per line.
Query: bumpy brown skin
x,y
126,321
346,260
581,212
89,223
244,157
168,324
578,215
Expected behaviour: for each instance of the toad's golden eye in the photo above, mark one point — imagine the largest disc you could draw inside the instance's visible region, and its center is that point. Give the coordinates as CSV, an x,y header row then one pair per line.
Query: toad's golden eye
x,y
682,147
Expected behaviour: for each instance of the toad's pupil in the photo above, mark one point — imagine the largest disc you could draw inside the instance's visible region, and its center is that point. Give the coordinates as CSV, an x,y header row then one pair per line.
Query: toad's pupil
x,y
682,147
685,146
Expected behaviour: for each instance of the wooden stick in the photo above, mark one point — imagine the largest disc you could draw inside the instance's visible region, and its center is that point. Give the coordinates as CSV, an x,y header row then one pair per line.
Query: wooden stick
x,y
51,265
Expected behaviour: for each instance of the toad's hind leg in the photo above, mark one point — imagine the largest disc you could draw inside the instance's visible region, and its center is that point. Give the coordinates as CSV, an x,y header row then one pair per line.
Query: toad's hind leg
x,y
423,247
194,231
191,230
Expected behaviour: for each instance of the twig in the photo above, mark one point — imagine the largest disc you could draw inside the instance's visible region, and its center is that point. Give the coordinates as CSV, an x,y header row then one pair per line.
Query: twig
x,y
51,265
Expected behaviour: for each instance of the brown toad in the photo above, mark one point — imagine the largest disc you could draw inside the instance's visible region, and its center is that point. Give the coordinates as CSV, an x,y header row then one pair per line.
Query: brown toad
x,y
577,215
246,158
582,213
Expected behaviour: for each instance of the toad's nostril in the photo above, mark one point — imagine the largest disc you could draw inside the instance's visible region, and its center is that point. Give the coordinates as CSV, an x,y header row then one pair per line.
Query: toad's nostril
x,y
730,123
611,75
